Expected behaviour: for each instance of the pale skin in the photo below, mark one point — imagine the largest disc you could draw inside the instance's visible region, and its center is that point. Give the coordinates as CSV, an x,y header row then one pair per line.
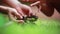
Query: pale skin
x,y
10,11
47,6
18,9
21,8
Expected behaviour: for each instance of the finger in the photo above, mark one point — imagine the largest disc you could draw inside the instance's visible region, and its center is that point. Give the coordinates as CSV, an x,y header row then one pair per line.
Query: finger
x,y
19,10
20,21
4,7
19,17
34,4
15,14
13,17
30,12
14,11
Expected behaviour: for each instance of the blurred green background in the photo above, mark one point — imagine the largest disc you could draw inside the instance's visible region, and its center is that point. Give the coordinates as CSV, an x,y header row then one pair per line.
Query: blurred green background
x,y
41,26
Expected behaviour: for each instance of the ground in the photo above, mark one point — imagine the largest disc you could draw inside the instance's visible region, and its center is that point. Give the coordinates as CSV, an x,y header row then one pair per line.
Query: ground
x,y
44,25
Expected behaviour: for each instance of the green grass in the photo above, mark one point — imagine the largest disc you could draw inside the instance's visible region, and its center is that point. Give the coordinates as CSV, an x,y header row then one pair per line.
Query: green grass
x,y
41,26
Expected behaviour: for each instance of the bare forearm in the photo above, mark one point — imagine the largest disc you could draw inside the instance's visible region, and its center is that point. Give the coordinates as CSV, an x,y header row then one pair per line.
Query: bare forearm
x,y
7,8
15,4
3,7
12,3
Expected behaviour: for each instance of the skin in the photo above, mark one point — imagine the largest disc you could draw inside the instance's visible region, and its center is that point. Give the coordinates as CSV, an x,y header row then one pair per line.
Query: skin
x,y
11,11
47,6
21,9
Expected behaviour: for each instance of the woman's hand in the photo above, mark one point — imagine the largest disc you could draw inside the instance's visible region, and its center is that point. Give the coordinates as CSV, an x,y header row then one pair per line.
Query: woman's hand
x,y
22,9
12,13
44,6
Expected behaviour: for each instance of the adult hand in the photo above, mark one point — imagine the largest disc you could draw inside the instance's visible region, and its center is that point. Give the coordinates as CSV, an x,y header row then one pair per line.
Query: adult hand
x,y
12,13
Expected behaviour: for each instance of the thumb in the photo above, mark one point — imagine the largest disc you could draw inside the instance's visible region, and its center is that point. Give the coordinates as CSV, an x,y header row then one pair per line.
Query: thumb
x,y
34,4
